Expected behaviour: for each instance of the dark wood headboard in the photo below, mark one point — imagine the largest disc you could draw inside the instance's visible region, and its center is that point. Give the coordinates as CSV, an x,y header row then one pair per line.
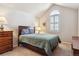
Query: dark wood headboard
x,y
23,27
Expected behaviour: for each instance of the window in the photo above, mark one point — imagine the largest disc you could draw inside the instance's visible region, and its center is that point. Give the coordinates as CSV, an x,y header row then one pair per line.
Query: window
x,y
54,21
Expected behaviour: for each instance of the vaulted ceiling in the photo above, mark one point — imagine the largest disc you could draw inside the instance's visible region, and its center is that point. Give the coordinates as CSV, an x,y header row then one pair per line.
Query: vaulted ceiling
x,y
70,5
27,7
34,8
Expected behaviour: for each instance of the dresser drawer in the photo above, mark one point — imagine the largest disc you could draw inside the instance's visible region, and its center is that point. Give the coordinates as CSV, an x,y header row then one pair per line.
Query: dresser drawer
x,y
5,34
5,43
5,48
5,39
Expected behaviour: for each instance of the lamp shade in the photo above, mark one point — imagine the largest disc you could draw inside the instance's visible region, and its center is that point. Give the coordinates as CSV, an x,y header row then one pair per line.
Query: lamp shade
x,y
3,21
38,28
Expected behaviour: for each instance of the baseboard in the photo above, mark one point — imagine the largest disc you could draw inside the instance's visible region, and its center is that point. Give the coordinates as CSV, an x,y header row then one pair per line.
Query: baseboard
x,y
66,42
15,46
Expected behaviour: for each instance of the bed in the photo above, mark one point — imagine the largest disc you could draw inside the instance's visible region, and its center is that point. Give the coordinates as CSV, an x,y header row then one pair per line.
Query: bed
x,y
41,43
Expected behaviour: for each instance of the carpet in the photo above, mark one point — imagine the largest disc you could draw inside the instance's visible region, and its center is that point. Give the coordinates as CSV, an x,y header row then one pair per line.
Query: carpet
x,y
63,49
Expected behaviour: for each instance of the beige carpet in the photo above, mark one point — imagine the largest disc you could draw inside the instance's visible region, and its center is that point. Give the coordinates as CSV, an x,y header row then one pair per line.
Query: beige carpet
x,y
61,50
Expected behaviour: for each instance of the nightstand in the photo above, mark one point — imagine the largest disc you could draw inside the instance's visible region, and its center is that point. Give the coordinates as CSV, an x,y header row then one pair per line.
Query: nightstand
x,y
6,41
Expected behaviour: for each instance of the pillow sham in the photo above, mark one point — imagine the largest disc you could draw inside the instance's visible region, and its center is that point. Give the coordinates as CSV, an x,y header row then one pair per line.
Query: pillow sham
x,y
29,30
25,31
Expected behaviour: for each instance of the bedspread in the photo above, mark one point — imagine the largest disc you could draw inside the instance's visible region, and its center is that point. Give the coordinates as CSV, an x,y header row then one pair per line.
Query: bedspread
x,y
44,41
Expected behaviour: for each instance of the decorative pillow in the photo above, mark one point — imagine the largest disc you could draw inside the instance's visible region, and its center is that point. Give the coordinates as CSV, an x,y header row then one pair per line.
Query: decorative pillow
x,y
25,31
29,30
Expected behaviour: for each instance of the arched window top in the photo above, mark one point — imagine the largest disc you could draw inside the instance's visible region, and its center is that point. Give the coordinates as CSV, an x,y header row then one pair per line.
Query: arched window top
x,y
54,12
54,21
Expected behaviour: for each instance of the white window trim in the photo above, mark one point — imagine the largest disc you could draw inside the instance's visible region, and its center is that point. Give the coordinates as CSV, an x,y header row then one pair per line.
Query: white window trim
x,y
54,31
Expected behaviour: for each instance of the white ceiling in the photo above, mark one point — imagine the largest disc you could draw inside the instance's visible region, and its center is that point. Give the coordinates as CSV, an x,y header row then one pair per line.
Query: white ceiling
x,y
70,5
35,8
27,7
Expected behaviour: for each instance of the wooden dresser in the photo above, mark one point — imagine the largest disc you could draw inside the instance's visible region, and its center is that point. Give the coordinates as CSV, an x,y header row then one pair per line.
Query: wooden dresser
x,y
6,41
75,45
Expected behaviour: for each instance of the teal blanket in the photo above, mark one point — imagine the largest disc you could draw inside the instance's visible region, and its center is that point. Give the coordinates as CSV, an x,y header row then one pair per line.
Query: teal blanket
x,y
44,41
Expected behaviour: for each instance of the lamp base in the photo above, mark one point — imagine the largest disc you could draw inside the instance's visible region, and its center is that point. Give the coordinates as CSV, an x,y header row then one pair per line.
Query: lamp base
x,y
2,28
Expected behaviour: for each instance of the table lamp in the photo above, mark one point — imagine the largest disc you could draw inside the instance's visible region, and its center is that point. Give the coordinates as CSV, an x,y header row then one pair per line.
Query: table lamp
x,y
3,21
38,29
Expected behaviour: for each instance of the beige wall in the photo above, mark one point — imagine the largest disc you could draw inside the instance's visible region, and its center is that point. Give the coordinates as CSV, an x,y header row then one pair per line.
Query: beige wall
x,y
68,22
78,21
